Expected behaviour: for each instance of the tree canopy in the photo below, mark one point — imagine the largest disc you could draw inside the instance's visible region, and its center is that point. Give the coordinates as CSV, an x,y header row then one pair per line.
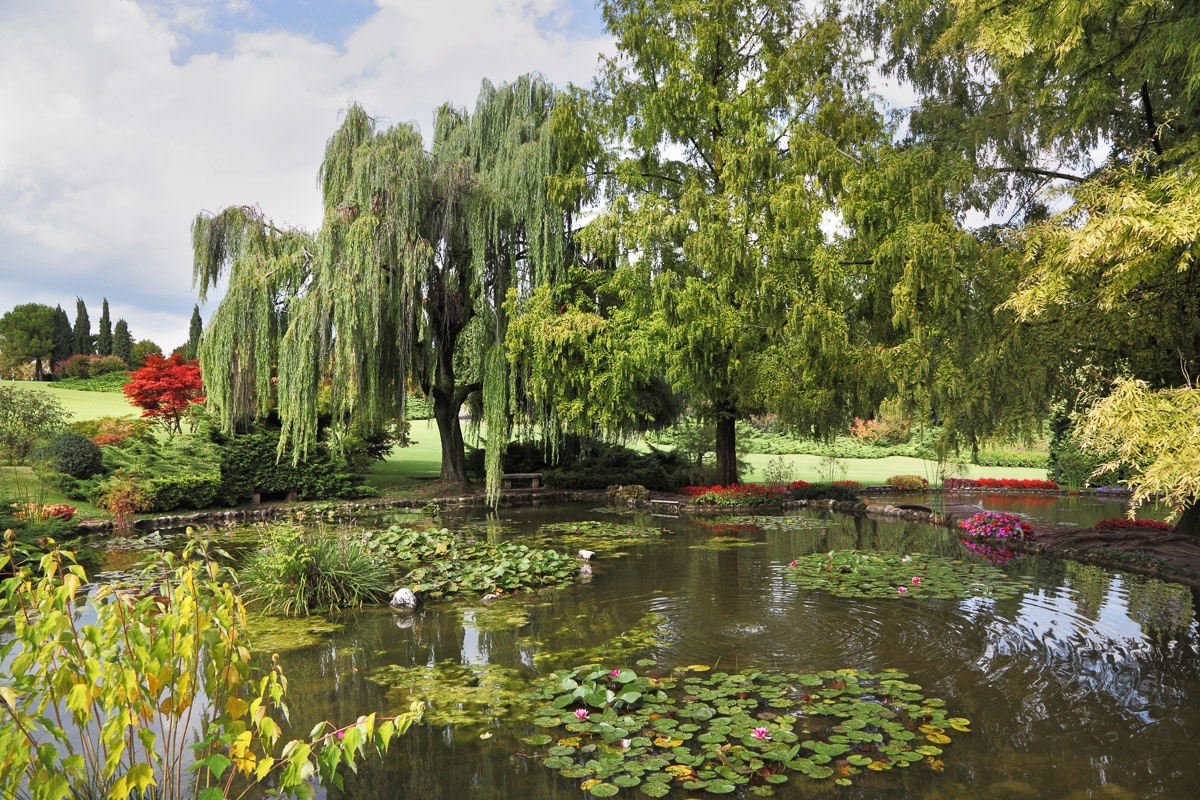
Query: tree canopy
x,y
27,334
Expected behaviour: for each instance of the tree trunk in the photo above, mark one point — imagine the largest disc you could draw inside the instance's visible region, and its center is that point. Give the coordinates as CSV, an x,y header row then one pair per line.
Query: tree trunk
x,y
454,461
1189,520
726,450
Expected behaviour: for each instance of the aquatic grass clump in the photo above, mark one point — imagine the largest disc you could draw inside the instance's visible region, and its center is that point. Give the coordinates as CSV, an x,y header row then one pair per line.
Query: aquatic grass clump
x,y
855,573
300,571
725,732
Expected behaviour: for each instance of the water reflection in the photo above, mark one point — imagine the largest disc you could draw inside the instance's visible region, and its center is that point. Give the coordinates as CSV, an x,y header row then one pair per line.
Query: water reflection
x,y
1086,686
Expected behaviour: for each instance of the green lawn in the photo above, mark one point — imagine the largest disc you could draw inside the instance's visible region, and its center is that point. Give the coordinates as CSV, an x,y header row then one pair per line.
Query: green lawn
x,y
82,405
875,471
420,461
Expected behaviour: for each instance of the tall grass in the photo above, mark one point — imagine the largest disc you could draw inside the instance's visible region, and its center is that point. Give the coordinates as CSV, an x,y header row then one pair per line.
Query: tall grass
x,y
300,571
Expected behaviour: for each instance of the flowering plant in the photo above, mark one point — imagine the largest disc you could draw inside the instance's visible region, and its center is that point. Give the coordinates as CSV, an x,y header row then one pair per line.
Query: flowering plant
x,y
38,512
734,494
1118,523
1034,484
994,525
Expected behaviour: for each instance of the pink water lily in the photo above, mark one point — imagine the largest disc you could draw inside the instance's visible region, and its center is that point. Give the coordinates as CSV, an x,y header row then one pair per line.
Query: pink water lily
x,y
901,590
581,713
760,733
625,743
916,581
792,564
614,673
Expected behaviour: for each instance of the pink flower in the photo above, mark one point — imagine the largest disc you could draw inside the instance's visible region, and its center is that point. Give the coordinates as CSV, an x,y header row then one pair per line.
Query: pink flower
x,y
625,743
581,713
901,590
760,733
792,564
916,581
614,673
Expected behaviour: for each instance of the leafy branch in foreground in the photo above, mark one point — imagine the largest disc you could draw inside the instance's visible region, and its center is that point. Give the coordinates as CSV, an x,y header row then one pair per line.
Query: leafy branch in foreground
x,y
151,690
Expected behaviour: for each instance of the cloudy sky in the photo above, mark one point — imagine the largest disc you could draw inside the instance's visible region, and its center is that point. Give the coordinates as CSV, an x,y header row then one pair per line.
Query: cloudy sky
x,y
120,120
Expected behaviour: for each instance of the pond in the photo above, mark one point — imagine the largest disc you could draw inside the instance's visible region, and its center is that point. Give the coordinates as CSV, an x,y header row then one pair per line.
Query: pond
x,y
1084,685
1079,510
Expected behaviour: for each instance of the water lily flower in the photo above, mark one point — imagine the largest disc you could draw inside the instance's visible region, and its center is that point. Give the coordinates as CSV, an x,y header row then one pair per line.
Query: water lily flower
x,y
792,564
581,713
916,581
901,590
760,733
625,743
614,673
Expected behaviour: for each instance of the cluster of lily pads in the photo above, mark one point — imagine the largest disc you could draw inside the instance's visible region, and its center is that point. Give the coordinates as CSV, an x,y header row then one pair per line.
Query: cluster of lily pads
x,y
854,573
602,537
723,732
442,563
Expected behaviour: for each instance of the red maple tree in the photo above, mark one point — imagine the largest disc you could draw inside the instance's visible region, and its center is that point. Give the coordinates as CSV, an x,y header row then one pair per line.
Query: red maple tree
x,y
164,388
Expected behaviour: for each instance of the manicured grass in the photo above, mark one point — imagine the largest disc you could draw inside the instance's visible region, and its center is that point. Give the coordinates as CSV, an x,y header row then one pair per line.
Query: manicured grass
x,y
407,466
875,471
82,405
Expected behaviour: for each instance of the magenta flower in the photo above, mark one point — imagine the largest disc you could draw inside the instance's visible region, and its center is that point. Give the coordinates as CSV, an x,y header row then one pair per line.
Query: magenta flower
x,y
614,673
581,713
901,590
792,564
760,733
916,581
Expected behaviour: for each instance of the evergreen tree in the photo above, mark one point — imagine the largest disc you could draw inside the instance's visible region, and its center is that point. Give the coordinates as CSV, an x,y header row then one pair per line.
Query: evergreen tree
x,y
82,332
123,342
64,339
27,334
104,341
195,329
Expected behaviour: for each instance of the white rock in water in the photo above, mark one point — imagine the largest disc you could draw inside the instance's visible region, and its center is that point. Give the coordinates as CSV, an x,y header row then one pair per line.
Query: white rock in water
x,y
586,555
405,598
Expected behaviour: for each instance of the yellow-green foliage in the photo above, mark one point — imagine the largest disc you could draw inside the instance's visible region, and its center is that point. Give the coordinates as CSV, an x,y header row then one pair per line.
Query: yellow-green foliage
x,y
151,685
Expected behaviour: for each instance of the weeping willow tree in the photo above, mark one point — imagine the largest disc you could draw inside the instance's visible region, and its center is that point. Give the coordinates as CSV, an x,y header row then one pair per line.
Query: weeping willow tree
x,y
416,247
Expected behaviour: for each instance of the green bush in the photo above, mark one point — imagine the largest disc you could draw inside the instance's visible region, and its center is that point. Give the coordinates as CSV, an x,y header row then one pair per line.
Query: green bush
x,y
114,431
826,491
1012,458
108,382
250,463
608,464
26,418
300,571
908,483
71,454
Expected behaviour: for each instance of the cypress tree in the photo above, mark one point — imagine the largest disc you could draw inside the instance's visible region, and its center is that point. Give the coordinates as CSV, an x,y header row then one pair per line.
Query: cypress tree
x,y
82,332
104,341
64,339
123,342
194,330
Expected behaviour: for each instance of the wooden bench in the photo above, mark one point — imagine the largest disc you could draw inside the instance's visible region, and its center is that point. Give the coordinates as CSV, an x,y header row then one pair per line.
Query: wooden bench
x,y
533,479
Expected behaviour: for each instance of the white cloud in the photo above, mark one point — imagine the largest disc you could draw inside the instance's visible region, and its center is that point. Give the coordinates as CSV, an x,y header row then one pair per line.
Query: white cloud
x,y
108,149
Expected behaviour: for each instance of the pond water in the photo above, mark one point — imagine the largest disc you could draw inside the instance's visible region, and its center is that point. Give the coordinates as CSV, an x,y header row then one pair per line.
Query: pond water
x,y
1081,510
1085,686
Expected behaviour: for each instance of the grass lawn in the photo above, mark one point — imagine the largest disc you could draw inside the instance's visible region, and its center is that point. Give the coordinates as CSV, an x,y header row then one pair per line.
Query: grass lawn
x,y
82,405
19,484
876,471
415,466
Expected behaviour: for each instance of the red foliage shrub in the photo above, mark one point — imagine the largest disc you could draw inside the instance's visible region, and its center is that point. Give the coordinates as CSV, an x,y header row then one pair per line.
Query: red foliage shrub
x,y
165,388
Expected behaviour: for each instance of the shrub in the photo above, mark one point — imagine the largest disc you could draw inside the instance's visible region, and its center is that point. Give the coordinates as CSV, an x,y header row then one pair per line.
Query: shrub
x,y
1031,484
996,526
1125,523
1012,458
250,463
26,418
109,382
826,491
122,497
300,571
605,465
114,431
161,685
908,483
77,366
71,454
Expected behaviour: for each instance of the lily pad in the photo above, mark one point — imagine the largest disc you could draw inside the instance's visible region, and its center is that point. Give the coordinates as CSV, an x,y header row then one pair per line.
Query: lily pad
x,y
856,573
715,731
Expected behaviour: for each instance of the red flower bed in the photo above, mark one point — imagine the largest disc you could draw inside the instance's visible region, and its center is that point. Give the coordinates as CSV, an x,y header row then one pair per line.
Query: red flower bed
x,y
951,484
1118,523
798,485
734,494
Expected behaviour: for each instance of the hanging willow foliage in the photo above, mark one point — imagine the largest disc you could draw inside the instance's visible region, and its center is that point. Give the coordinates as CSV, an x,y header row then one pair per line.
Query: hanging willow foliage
x,y
413,245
